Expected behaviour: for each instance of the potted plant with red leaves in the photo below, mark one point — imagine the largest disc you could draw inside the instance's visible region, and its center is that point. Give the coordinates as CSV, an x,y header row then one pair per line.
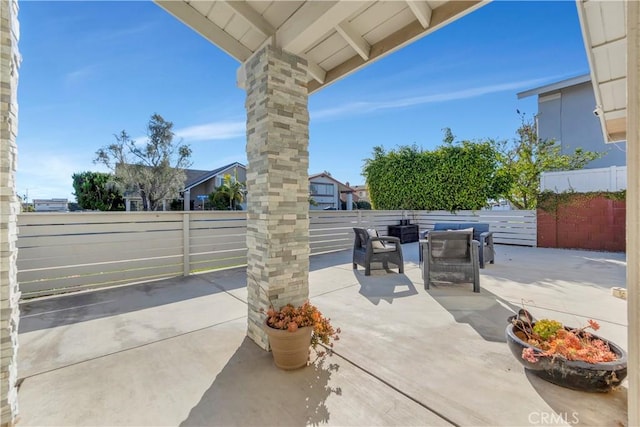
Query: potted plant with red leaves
x,y
293,331
569,357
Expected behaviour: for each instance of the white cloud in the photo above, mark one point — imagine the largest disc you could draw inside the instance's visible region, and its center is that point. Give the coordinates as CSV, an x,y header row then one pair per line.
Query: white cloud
x,y
364,107
117,34
79,75
213,131
48,175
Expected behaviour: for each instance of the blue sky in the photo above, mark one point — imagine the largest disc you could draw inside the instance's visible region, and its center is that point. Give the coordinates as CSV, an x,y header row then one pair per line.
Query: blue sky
x,y
92,69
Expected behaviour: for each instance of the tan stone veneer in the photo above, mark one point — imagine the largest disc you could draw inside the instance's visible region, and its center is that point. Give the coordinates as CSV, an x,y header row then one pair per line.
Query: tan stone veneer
x,y
633,209
9,208
277,181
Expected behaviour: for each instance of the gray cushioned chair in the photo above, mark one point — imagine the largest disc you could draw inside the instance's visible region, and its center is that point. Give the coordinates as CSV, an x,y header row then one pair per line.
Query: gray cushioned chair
x,y
481,233
450,256
365,252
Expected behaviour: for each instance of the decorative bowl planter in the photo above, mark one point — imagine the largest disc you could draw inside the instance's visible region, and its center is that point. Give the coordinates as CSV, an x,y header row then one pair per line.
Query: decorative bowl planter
x,y
573,374
290,349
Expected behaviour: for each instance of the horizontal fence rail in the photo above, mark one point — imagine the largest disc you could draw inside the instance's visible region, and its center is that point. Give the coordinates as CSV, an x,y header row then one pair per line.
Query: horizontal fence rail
x,y
65,252
508,227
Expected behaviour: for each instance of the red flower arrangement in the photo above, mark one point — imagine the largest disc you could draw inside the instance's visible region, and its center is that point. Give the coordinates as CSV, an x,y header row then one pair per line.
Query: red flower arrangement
x,y
552,339
291,318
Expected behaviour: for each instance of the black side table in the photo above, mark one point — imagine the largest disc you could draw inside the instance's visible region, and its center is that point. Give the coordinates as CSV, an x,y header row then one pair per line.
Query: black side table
x,y
406,233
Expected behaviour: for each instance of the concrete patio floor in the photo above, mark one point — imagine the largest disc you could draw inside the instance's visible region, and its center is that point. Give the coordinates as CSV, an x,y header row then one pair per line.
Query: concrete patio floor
x,y
174,352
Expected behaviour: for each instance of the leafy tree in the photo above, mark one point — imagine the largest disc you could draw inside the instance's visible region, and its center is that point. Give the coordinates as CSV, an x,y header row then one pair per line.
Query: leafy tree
x,y
97,191
363,204
454,176
154,170
524,159
229,195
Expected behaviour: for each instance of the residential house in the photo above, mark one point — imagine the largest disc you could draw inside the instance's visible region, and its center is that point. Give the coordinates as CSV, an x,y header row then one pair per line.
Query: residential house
x,y
329,193
362,193
567,112
51,205
198,185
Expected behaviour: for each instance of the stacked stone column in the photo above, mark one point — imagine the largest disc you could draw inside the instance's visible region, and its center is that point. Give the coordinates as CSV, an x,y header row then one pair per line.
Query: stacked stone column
x,y
9,208
277,184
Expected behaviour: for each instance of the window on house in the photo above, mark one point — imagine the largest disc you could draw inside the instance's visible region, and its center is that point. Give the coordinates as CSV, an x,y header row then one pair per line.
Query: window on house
x,y
321,189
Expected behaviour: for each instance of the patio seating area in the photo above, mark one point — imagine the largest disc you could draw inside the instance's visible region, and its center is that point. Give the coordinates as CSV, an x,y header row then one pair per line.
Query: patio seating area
x,y
174,352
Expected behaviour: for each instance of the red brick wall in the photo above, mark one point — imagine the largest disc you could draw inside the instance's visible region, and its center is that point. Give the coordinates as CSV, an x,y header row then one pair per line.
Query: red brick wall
x,y
584,222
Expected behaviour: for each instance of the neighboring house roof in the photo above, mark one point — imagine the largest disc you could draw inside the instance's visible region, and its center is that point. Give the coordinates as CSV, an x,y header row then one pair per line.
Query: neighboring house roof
x,y
342,188
194,174
555,86
207,175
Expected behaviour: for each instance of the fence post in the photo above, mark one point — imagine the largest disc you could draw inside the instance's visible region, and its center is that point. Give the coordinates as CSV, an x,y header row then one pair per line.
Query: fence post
x,y
613,175
186,270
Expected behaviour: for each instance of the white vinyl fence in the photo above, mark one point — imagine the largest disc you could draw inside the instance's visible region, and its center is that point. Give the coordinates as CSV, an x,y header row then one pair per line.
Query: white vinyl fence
x,y
613,178
64,252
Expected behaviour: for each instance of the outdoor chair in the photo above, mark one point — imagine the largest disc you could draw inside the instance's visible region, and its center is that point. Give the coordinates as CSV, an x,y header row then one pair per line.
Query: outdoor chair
x,y
450,256
368,247
481,233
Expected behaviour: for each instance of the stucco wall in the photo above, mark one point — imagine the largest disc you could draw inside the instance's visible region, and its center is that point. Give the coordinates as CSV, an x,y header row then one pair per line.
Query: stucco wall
x,y
569,119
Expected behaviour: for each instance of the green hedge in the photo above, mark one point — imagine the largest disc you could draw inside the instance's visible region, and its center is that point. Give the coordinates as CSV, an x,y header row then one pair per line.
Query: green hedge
x,y
454,176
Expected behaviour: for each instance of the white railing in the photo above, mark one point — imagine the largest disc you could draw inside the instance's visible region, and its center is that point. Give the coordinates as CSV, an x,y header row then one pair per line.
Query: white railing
x,y
613,178
514,227
63,252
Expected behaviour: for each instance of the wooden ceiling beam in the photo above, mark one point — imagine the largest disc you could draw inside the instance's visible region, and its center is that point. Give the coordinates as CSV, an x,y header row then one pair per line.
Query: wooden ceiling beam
x,y
206,28
352,37
253,18
311,22
316,71
422,11
440,17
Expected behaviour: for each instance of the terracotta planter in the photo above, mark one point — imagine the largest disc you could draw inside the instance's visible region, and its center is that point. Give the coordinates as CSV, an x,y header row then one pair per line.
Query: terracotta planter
x,y
573,374
290,349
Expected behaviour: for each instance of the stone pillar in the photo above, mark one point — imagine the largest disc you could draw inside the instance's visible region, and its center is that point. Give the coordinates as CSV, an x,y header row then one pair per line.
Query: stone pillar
x,y
9,209
127,204
349,201
277,184
633,209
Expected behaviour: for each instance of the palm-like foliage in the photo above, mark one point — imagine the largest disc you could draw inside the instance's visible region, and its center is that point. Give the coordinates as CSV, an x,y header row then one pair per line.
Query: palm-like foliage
x,y
229,195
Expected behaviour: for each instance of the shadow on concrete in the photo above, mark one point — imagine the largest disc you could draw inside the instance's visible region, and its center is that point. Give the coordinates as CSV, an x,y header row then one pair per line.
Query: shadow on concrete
x,y
382,284
485,312
250,390
579,407
81,307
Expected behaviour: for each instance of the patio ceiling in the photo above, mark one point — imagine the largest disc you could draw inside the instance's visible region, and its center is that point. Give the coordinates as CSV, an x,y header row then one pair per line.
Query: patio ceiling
x,y
340,37
604,32
335,37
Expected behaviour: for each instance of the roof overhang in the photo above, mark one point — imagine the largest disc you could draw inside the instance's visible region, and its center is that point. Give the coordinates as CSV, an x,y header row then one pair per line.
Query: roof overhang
x,y
335,37
604,31
554,87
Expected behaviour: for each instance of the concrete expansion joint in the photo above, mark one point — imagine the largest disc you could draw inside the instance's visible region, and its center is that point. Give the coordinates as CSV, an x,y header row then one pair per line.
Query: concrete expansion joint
x,y
124,350
394,388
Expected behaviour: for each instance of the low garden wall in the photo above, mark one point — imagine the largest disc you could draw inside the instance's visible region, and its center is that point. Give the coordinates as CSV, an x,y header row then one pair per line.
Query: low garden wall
x,y
594,221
